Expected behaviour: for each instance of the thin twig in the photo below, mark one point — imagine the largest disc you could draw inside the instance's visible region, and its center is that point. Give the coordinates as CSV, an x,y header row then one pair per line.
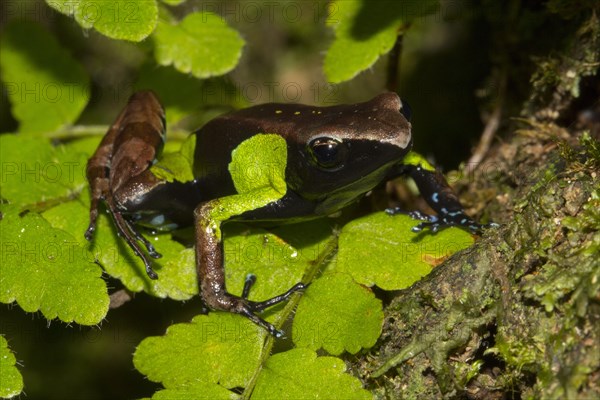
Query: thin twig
x,y
393,69
485,141
289,308
491,127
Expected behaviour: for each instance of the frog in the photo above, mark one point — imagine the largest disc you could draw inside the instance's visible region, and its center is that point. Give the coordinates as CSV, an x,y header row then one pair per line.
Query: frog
x,y
332,157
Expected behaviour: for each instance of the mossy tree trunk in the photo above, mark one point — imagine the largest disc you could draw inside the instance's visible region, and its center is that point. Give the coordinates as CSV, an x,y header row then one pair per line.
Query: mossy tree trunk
x,y
517,315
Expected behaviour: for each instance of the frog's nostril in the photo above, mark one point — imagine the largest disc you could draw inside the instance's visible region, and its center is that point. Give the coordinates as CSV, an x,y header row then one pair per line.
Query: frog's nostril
x,y
386,101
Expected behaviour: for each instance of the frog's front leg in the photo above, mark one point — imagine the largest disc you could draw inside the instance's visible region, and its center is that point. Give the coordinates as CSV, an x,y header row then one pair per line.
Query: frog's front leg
x,y
118,172
211,272
439,195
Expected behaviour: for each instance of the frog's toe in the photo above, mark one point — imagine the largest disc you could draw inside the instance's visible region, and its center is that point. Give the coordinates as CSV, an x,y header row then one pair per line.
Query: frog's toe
x,y
151,274
433,226
89,233
418,228
475,227
248,283
152,252
394,211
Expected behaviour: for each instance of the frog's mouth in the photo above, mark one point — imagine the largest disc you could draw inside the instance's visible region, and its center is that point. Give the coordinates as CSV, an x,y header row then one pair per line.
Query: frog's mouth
x,y
345,195
366,163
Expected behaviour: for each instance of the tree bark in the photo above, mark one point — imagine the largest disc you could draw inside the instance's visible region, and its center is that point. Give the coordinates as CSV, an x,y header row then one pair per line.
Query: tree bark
x,y
517,315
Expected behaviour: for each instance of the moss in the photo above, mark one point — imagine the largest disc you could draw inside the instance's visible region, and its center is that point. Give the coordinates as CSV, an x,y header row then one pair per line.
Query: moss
x,y
516,314
558,75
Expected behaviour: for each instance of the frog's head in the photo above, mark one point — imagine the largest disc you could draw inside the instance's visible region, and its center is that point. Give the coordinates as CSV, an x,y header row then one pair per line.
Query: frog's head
x,y
351,148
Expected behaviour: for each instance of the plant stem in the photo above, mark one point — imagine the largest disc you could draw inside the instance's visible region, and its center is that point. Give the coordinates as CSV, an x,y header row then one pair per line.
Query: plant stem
x,y
393,69
309,275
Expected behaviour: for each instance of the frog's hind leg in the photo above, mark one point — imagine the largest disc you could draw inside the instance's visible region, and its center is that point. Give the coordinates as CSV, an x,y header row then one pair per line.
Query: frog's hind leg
x,y
258,306
132,236
97,172
121,164
99,182
252,307
211,272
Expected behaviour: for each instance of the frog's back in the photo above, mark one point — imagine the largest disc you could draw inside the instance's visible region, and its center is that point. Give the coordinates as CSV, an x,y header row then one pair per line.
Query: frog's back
x,y
378,120
216,140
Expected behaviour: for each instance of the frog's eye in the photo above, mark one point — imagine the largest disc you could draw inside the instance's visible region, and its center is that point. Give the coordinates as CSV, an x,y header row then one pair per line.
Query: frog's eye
x,y
328,153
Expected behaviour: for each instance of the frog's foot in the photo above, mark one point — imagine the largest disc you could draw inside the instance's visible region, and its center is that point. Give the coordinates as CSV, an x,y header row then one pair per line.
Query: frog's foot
x,y
446,219
149,247
127,230
443,220
248,308
413,214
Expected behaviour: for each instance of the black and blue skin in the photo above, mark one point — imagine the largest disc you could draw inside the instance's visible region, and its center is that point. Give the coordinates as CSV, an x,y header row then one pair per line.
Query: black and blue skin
x,y
334,156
